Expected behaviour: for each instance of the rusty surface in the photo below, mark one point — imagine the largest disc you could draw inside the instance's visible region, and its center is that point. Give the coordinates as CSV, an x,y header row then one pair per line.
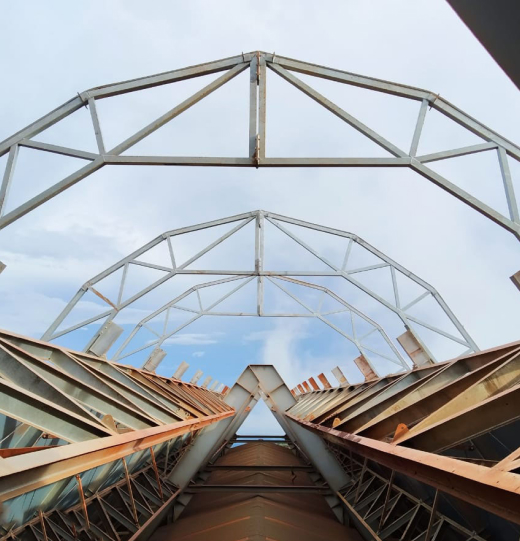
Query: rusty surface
x,y
252,516
324,381
51,465
489,489
315,386
15,451
365,368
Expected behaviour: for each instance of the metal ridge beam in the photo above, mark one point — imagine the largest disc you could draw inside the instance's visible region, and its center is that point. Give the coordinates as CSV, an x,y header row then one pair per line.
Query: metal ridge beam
x,y
494,491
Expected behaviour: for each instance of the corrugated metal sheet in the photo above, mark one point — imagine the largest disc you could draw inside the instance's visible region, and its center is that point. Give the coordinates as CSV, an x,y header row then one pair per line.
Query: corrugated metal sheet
x,y
251,516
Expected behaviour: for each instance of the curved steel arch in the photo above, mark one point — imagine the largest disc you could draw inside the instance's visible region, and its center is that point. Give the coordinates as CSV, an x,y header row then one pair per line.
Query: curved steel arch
x,y
354,338
257,62
258,271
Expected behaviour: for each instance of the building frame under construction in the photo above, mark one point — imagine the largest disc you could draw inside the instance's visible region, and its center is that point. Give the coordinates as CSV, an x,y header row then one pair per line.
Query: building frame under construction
x,y
94,448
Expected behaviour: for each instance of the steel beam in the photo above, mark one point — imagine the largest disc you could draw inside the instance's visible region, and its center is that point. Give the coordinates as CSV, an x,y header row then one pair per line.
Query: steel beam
x,y
21,474
498,493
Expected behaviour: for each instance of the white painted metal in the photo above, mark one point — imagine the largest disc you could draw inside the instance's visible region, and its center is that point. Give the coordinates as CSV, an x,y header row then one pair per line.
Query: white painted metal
x,y
106,338
257,62
279,278
181,370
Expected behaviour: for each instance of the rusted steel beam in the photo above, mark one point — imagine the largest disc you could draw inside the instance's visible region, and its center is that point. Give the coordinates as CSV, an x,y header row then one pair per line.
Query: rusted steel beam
x,y
411,344
260,468
495,491
259,489
315,386
497,411
130,493
21,474
156,472
15,451
365,368
324,381
144,532
81,493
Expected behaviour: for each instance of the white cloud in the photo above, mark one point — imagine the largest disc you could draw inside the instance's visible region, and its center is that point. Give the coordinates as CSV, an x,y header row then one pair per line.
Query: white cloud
x,y
193,339
52,251
198,354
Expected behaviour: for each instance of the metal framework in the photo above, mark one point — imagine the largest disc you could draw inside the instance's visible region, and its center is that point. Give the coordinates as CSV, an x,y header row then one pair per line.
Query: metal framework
x,y
93,449
87,445
279,278
257,64
364,349
399,456
451,426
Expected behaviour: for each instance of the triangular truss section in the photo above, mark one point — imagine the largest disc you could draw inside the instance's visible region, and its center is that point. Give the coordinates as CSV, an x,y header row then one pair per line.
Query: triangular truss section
x,y
304,77
258,382
264,287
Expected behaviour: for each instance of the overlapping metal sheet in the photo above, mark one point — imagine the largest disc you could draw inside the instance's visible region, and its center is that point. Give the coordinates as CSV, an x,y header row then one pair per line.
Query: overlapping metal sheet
x,y
253,515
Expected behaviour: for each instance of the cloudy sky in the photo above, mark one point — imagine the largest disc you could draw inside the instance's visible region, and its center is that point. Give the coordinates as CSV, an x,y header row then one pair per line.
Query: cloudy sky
x,y
55,49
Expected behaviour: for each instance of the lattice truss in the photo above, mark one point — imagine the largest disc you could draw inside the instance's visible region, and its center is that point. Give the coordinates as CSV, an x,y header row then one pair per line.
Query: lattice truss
x,y
500,209
319,253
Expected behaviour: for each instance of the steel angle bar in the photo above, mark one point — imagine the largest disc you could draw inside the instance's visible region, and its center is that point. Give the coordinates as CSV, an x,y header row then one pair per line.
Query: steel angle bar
x,y
262,106
466,197
193,161
508,185
418,127
253,106
8,176
173,76
96,125
176,111
51,192
340,113
42,124
269,162
57,149
464,151
405,91
393,264
172,273
403,316
496,492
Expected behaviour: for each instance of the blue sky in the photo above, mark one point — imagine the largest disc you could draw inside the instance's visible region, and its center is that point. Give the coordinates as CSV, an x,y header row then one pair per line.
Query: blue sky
x,y
68,48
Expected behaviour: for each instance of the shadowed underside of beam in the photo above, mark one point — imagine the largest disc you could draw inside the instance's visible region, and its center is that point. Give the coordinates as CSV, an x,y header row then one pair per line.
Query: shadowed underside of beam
x,y
258,515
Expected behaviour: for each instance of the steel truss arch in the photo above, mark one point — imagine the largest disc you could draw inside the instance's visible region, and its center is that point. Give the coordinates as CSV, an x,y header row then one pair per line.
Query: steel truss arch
x,y
358,341
260,273
257,63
